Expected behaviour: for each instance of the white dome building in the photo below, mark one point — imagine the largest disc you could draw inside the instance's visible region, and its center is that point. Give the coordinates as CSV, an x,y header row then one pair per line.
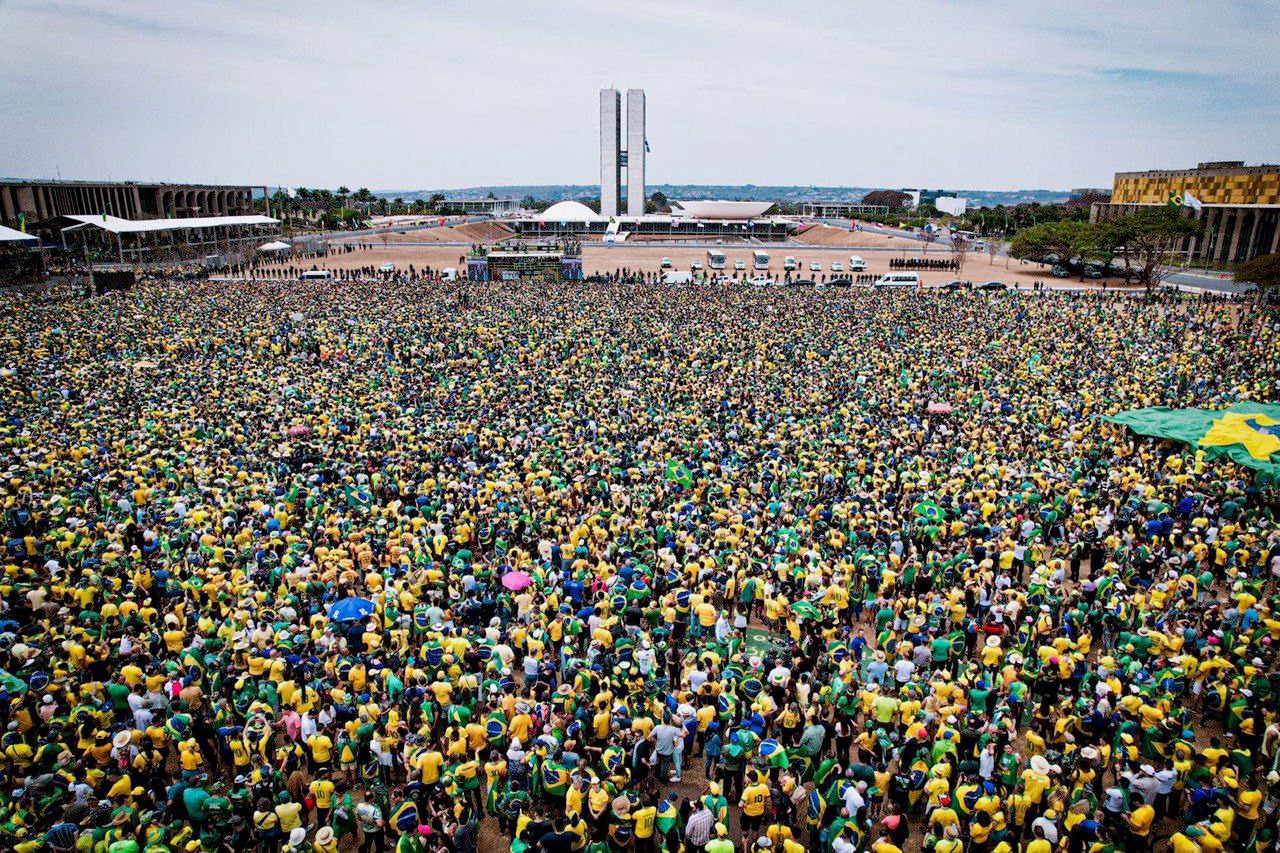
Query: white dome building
x,y
569,211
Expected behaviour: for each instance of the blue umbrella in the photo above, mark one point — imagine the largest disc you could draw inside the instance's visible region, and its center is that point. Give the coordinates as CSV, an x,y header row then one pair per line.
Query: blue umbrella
x,y
350,609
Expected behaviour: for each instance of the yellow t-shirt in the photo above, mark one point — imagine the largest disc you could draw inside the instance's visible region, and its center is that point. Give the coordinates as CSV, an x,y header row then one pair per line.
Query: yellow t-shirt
x,y
754,799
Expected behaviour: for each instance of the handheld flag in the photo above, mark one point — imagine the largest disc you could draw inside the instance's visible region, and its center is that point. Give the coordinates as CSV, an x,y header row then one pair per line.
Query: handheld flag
x,y
677,472
929,511
1246,433
357,498
1175,200
806,610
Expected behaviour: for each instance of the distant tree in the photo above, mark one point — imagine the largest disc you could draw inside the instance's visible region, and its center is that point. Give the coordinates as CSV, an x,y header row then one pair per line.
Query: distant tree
x,y
342,194
1058,239
1263,271
927,236
398,202
435,201
993,248
892,199
1149,239
959,252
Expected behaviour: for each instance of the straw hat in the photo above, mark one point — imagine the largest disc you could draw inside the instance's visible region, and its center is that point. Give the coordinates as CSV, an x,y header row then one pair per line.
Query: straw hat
x,y
1040,764
121,740
324,835
993,640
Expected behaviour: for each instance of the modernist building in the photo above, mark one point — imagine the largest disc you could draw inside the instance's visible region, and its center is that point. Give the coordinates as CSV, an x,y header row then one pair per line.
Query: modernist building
x,y
613,158
610,151
26,203
689,220
490,206
1240,206
840,209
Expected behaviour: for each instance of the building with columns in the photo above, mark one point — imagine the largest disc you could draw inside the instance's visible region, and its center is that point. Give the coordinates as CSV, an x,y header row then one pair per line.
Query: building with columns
x,y
27,203
1239,206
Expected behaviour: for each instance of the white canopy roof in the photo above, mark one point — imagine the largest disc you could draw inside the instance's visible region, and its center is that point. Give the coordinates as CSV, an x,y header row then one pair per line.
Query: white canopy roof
x,y
721,209
8,235
274,246
116,225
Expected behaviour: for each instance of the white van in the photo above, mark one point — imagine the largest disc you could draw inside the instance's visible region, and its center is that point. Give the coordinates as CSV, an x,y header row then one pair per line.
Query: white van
x,y
899,279
857,264
316,275
790,263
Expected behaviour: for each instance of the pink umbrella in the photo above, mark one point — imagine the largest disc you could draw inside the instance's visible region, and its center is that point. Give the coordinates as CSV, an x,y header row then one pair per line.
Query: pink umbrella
x,y
299,431
936,408
516,581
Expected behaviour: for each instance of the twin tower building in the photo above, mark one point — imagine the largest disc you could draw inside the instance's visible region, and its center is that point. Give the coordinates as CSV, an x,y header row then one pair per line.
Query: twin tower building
x,y
614,158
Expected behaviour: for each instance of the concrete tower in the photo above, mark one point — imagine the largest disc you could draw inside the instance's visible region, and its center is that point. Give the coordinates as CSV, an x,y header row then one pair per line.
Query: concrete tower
x,y
635,152
610,150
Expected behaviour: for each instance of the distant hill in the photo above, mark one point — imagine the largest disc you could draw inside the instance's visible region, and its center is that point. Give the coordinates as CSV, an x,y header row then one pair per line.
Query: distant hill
x,y
748,192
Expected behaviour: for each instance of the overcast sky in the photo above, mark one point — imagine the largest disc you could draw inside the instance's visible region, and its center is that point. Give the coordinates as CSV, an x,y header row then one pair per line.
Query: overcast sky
x,y
436,93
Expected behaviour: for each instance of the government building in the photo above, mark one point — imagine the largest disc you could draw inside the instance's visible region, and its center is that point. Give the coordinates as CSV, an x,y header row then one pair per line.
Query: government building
x,y
1239,206
25,204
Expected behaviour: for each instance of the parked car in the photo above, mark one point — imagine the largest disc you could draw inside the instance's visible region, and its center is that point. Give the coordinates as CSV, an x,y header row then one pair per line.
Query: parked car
x,y
1060,272
836,266
992,285
760,281
739,264
1092,272
956,285
841,282
857,264
695,266
802,282
666,263
814,266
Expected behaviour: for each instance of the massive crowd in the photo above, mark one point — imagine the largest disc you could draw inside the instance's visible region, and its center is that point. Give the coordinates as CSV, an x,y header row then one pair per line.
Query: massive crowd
x,y
308,566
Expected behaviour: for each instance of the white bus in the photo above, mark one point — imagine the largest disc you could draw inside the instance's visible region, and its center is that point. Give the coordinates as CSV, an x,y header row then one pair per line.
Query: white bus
x,y
715,259
760,260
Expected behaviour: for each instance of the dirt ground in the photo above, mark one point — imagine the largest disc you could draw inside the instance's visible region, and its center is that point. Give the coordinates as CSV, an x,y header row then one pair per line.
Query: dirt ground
x,y
609,259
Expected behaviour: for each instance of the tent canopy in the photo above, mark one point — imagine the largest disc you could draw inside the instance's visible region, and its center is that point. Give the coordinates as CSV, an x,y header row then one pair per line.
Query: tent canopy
x,y
116,225
8,235
274,246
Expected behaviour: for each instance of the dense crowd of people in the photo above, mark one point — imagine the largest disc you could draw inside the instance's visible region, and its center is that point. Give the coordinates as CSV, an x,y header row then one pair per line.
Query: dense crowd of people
x,y
557,567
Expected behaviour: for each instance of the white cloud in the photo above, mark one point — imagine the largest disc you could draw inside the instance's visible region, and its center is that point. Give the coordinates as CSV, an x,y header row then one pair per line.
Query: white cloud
x,y
408,94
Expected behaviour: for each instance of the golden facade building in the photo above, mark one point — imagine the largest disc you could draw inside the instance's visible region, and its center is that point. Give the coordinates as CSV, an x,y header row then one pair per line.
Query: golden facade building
x,y
1239,206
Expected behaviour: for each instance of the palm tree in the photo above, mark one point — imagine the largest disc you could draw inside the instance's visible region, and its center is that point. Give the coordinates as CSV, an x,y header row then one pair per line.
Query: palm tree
x,y
342,194
399,202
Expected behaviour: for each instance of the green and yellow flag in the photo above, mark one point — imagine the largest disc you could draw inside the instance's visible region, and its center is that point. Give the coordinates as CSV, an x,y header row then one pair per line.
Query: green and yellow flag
x,y
1246,433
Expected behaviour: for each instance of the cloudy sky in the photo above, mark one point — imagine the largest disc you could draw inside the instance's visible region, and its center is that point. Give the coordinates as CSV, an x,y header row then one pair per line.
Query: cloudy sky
x,y
438,93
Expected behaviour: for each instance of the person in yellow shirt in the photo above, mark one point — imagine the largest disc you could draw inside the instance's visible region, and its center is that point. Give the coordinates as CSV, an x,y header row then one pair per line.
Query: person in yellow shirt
x,y
1140,823
753,801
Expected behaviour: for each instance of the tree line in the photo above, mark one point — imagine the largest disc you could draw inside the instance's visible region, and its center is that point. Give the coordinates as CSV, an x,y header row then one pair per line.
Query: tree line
x,y
1146,242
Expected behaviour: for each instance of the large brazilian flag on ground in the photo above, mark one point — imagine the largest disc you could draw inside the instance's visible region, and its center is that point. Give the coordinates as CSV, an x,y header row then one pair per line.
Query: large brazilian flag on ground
x,y
1246,433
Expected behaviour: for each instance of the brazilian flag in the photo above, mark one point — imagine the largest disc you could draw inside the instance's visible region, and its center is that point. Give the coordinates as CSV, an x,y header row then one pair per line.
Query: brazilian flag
x,y
358,498
678,472
929,511
1246,433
